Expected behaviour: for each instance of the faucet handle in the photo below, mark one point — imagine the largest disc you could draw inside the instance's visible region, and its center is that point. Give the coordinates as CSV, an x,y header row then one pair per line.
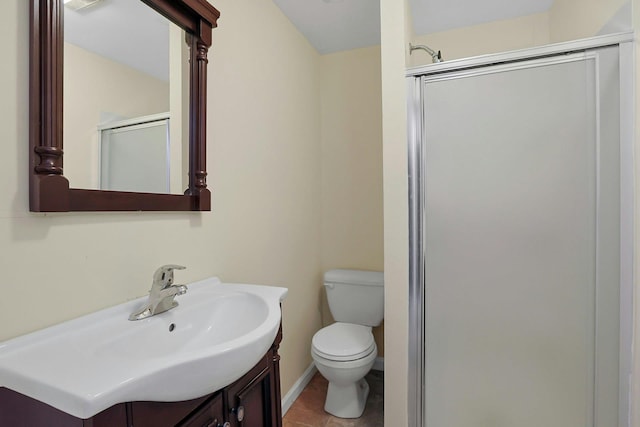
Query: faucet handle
x,y
163,276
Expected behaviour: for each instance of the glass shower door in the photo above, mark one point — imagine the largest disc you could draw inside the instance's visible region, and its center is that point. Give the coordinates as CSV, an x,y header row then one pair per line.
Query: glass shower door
x,y
521,236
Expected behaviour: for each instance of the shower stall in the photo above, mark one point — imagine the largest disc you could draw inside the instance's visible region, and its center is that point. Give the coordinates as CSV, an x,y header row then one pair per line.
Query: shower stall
x,y
521,201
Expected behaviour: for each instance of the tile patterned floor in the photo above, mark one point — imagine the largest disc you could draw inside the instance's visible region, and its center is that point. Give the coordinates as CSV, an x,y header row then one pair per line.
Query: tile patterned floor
x,y
308,409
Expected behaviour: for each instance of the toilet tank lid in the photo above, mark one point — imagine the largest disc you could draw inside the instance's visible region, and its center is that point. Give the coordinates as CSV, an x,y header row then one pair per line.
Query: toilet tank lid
x,y
355,277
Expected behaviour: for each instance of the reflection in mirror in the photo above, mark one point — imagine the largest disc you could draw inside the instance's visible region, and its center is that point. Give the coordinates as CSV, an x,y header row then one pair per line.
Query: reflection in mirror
x,y
126,76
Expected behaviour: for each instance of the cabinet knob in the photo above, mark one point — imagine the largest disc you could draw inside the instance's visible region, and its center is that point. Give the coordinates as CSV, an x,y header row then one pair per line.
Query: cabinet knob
x,y
239,412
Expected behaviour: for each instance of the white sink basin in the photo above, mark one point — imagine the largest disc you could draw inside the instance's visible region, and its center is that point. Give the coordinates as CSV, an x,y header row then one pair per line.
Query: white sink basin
x,y
217,333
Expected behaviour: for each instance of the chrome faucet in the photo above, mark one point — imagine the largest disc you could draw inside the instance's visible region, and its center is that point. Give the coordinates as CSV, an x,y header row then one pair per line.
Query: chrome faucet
x,y
162,293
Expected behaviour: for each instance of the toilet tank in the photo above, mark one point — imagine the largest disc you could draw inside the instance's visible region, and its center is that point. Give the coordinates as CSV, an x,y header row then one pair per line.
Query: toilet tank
x,y
355,296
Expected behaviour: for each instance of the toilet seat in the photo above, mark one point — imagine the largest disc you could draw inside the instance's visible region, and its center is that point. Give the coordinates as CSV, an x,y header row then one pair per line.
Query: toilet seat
x,y
343,342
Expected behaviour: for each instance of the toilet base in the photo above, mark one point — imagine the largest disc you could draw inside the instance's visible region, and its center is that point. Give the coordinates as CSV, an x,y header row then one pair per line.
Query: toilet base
x,y
347,401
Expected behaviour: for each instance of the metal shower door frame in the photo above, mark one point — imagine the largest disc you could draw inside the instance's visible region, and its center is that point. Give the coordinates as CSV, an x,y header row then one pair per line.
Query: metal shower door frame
x,y
417,211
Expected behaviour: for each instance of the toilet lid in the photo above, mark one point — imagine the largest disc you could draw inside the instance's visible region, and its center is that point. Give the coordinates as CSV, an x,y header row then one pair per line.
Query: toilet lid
x,y
343,341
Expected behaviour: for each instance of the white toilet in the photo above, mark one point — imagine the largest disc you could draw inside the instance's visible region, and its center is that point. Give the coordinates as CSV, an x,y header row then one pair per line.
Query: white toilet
x,y
345,351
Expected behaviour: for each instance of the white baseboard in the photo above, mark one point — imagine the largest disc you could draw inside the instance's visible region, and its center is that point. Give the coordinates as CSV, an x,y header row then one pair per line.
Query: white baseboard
x,y
297,388
378,365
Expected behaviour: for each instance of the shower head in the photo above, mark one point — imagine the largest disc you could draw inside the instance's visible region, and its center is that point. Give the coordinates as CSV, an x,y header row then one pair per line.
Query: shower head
x,y
435,56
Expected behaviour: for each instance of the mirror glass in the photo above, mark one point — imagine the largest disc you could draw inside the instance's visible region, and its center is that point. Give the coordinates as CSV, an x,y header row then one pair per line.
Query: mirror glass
x,y
126,98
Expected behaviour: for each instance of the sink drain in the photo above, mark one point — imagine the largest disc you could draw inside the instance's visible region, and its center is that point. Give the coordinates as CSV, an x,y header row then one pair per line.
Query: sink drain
x,y
172,327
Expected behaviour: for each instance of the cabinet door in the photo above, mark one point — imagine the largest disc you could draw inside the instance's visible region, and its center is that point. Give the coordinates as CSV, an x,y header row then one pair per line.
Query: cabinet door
x,y
251,402
211,415
249,399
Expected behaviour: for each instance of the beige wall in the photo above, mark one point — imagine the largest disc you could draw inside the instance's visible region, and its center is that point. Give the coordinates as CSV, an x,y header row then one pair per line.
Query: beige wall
x,y
566,20
577,19
351,159
93,85
263,151
394,141
492,37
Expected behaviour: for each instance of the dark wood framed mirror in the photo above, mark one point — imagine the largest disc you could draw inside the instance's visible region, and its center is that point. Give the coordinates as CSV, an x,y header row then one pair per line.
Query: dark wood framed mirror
x,y
50,190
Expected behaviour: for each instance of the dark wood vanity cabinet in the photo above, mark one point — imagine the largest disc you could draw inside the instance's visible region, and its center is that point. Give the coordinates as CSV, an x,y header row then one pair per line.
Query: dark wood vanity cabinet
x,y
251,401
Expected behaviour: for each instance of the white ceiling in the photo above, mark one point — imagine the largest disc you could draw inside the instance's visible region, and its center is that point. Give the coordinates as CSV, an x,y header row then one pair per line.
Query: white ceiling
x,y
336,25
126,31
